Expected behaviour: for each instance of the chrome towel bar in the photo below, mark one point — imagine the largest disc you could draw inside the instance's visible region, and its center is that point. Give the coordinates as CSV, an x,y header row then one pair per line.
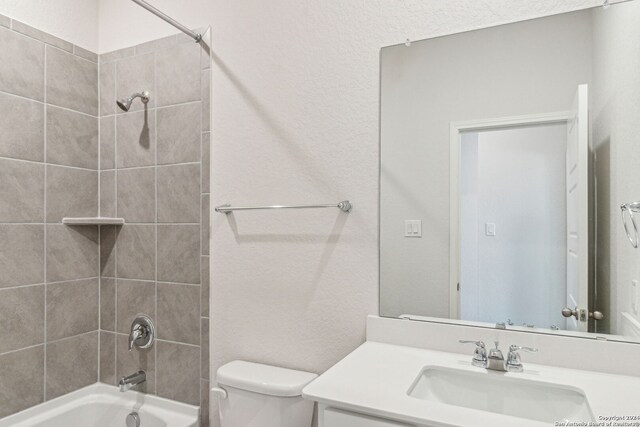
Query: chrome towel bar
x,y
344,206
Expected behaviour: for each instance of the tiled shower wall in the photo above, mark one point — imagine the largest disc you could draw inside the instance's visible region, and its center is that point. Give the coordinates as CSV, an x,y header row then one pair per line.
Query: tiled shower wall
x,y
68,294
154,174
49,272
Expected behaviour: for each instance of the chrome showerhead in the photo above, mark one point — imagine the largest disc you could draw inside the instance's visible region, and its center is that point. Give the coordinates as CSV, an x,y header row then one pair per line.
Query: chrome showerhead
x,y
125,103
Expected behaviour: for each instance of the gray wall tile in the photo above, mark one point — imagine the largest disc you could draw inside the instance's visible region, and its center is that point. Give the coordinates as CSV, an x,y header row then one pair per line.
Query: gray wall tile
x,y
206,224
136,252
134,75
21,254
204,285
108,237
21,65
204,403
130,362
21,128
72,252
178,313
68,367
71,193
178,253
156,45
116,54
178,372
108,88
42,36
108,143
21,317
179,193
107,304
137,194
206,162
72,308
72,138
86,54
5,21
206,100
108,193
205,56
178,74
22,191
21,380
72,82
204,348
134,297
179,134
136,139
107,358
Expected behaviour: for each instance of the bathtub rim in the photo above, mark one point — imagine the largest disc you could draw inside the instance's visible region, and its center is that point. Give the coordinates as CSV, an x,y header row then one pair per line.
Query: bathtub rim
x,y
95,390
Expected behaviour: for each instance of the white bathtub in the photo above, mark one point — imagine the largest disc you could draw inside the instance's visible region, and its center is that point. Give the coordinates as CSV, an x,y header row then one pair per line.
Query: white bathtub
x,y
101,405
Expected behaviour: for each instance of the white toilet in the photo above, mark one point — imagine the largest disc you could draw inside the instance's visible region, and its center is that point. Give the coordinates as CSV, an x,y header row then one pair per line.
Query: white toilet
x,y
255,395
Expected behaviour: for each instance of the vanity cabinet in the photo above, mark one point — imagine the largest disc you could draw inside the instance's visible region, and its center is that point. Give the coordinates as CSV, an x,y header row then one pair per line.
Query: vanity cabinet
x,y
337,418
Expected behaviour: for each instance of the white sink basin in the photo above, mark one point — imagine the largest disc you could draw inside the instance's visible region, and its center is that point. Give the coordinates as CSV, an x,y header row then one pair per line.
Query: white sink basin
x,y
502,394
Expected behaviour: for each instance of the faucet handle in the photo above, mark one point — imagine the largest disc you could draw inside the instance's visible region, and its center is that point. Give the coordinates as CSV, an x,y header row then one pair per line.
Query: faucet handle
x,y
514,363
479,355
514,348
143,332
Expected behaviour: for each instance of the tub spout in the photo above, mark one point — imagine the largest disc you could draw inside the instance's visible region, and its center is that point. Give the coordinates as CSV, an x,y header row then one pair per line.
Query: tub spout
x,y
132,380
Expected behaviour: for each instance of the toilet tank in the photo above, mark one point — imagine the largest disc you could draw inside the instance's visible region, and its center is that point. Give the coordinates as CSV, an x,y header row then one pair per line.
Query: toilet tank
x,y
256,395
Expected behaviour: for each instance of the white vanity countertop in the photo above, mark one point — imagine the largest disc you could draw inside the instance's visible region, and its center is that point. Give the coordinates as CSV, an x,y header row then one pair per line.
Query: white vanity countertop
x,y
375,379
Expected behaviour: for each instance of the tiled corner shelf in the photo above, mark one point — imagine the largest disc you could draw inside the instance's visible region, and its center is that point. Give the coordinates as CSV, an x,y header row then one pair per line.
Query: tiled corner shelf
x,y
93,221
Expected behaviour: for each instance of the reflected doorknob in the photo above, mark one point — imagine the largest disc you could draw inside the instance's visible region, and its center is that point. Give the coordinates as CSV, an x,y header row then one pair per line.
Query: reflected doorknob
x,y
596,315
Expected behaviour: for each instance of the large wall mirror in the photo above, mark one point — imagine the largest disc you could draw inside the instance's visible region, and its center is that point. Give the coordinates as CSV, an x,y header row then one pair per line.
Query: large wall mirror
x,y
510,176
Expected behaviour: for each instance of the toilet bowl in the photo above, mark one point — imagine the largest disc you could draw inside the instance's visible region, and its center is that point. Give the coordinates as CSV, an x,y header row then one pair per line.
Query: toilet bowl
x,y
255,395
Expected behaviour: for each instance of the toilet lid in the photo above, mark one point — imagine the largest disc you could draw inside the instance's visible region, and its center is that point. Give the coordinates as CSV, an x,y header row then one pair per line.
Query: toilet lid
x,y
264,379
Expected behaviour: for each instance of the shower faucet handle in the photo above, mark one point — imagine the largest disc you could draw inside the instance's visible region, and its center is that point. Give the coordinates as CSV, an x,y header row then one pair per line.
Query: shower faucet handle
x,y
143,332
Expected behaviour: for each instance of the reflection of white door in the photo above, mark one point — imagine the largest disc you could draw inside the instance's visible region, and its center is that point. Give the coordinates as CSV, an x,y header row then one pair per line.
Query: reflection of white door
x,y
577,211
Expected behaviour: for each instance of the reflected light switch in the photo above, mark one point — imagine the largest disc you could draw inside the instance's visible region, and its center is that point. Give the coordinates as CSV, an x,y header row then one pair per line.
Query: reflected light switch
x,y
490,229
413,228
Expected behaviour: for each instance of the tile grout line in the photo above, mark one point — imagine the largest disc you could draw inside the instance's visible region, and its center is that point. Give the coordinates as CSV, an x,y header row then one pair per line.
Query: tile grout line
x,y
45,278
114,234
128,168
157,339
155,142
201,242
48,164
59,282
98,376
37,101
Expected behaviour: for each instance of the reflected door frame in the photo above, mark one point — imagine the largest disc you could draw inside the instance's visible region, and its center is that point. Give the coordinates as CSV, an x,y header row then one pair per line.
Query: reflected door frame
x,y
455,131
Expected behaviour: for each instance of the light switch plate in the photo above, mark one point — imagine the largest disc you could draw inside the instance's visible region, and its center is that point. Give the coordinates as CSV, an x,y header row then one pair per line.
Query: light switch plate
x,y
490,229
413,228
634,296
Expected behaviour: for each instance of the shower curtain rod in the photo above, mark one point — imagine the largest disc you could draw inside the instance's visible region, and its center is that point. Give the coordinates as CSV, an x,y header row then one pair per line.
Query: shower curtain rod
x,y
197,37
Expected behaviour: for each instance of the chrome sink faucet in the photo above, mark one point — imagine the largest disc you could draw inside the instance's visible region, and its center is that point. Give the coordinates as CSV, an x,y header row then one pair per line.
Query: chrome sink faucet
x,y
495,360
514,364
126,383
479,355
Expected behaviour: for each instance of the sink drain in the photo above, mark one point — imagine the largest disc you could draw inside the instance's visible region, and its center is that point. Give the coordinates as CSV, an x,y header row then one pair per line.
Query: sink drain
x,y
133,420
